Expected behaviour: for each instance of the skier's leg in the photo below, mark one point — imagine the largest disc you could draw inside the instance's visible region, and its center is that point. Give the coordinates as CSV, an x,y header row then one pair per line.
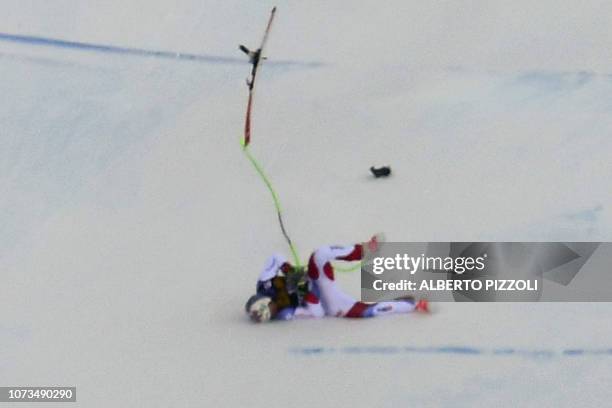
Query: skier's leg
x,y
321,273
361,309
385,308
320,260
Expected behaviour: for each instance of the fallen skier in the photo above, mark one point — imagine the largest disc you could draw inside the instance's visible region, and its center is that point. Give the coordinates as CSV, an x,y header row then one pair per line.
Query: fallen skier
x,y
285,292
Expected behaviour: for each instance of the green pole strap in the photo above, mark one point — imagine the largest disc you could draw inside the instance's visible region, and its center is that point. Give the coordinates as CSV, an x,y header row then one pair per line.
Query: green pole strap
x,y
277,205
265,179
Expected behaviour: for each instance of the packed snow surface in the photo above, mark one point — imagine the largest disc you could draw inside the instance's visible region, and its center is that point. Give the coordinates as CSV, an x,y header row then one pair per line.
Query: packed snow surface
x,y
133,228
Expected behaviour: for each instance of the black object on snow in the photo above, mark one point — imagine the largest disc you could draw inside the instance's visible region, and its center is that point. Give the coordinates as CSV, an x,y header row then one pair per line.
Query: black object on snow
x,y
383,171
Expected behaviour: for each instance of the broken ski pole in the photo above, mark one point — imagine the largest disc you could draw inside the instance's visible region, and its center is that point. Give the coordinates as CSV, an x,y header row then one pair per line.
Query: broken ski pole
x,y
255,57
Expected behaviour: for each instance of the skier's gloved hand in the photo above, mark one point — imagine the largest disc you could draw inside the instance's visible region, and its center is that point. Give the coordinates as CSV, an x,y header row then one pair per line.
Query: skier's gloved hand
x,y
297,283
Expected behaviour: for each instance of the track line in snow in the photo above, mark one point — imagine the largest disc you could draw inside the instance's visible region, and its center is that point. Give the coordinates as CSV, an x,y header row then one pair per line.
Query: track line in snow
x,y
141,52
451,350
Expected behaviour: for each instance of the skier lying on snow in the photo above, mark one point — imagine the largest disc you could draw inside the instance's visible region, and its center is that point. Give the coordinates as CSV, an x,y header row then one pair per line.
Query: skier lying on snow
x,y
285,291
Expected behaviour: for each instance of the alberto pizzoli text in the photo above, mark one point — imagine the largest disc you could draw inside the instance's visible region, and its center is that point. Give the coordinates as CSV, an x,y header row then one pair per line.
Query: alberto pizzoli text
x,y
459,285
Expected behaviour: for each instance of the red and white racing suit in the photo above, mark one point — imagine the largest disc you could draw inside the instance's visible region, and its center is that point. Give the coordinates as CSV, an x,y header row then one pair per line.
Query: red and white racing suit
x,y
325,297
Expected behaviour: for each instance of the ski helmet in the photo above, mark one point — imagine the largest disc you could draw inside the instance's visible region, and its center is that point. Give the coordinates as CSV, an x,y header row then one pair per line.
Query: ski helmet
x,y
258,308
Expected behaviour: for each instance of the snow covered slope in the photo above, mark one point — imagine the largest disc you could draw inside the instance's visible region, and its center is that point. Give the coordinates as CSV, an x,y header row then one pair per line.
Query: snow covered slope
x,y
133,228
